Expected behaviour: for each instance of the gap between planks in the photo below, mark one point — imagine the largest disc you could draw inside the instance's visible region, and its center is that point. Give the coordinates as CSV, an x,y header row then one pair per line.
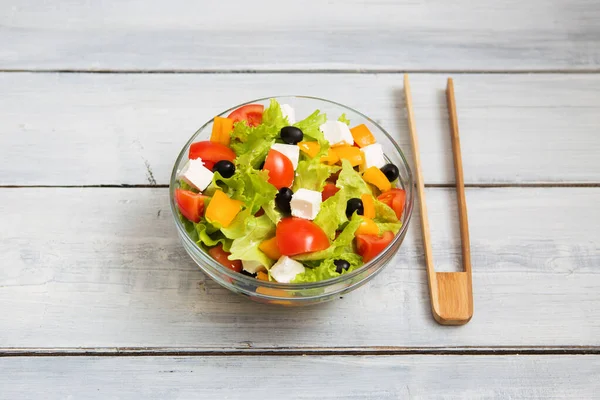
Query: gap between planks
x,y
295,352
305,71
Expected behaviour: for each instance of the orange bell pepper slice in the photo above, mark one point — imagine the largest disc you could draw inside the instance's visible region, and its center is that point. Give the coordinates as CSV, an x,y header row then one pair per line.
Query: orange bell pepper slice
x,y
270,248
310,148
375,177
367,227
368,206
350,153
222,209
221,130
331,157
262,276
362,135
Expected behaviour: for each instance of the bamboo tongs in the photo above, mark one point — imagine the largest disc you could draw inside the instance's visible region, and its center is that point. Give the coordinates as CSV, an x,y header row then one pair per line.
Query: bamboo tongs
x,y
451,293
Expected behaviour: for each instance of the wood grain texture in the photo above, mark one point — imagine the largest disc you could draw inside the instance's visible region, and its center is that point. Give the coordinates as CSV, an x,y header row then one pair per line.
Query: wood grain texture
x,y
265,35
100,267
87,129
392,377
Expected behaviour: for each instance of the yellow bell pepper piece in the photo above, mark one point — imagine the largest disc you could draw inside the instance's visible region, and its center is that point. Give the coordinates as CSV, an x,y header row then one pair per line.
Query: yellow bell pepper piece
x,y
221,130
374,176
350,153
362,135
310,148
367,227
368,206
222,209
270,248
262,275
331,158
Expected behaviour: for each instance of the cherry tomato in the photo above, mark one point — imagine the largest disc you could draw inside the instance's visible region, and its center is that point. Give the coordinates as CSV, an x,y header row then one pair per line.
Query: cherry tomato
x,y
395,199
329,190
191,205
369,246
298,235
251,113
221,255
281,169
210,153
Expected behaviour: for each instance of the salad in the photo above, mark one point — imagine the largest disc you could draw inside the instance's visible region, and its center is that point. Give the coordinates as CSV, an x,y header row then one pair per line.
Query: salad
x,y
289,201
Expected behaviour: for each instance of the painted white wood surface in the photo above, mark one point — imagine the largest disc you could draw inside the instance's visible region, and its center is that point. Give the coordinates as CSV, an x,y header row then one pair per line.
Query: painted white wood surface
x,y
391,377
102,267
82,129
268,35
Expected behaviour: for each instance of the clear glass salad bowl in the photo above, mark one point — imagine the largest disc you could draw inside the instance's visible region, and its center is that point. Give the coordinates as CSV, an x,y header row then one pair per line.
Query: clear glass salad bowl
x,y
290,294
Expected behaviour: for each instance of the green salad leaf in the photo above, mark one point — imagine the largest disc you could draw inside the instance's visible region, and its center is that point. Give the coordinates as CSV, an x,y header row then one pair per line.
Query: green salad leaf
x,y
327,269
310,126
252,144
344,119
311,174
248,185
384,213
389,226
248,235
203,233
351,182
333,210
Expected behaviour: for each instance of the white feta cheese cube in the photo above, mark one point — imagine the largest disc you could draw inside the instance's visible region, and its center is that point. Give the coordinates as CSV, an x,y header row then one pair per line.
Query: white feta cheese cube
x,y
373,156
291,151
252,266
196,174
306,203
286,269
337,133
289,113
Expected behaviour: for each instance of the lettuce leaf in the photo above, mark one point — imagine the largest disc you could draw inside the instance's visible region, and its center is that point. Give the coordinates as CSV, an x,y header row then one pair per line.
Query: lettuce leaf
x,y
311,174
248,185
327,269
344,119
273,116
248,236
351,182
252,144
310,126
333,210
389,226
384,213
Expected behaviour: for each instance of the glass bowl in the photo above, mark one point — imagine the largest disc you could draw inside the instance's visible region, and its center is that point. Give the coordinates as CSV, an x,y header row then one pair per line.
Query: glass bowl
x,y
306,293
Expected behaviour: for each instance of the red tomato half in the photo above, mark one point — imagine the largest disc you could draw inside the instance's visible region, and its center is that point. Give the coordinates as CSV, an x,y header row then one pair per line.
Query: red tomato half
x,y
221,255
395,199
281,169
191,205
368,246
251,113
297,236
210,153
329,190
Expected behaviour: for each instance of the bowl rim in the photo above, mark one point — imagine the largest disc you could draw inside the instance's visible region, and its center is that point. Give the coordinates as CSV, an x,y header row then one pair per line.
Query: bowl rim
x,y
408,208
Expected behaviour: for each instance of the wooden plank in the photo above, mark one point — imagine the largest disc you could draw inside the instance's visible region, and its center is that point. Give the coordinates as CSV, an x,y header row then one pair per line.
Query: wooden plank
x,y
82,129
102,267
391,34
392,377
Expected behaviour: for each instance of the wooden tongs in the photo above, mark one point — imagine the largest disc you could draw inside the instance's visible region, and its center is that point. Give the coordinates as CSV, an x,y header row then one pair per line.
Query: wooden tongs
x,y
451,293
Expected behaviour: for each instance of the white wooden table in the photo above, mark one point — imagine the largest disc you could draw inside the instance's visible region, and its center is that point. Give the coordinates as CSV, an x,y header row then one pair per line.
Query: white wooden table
x,y
98,298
